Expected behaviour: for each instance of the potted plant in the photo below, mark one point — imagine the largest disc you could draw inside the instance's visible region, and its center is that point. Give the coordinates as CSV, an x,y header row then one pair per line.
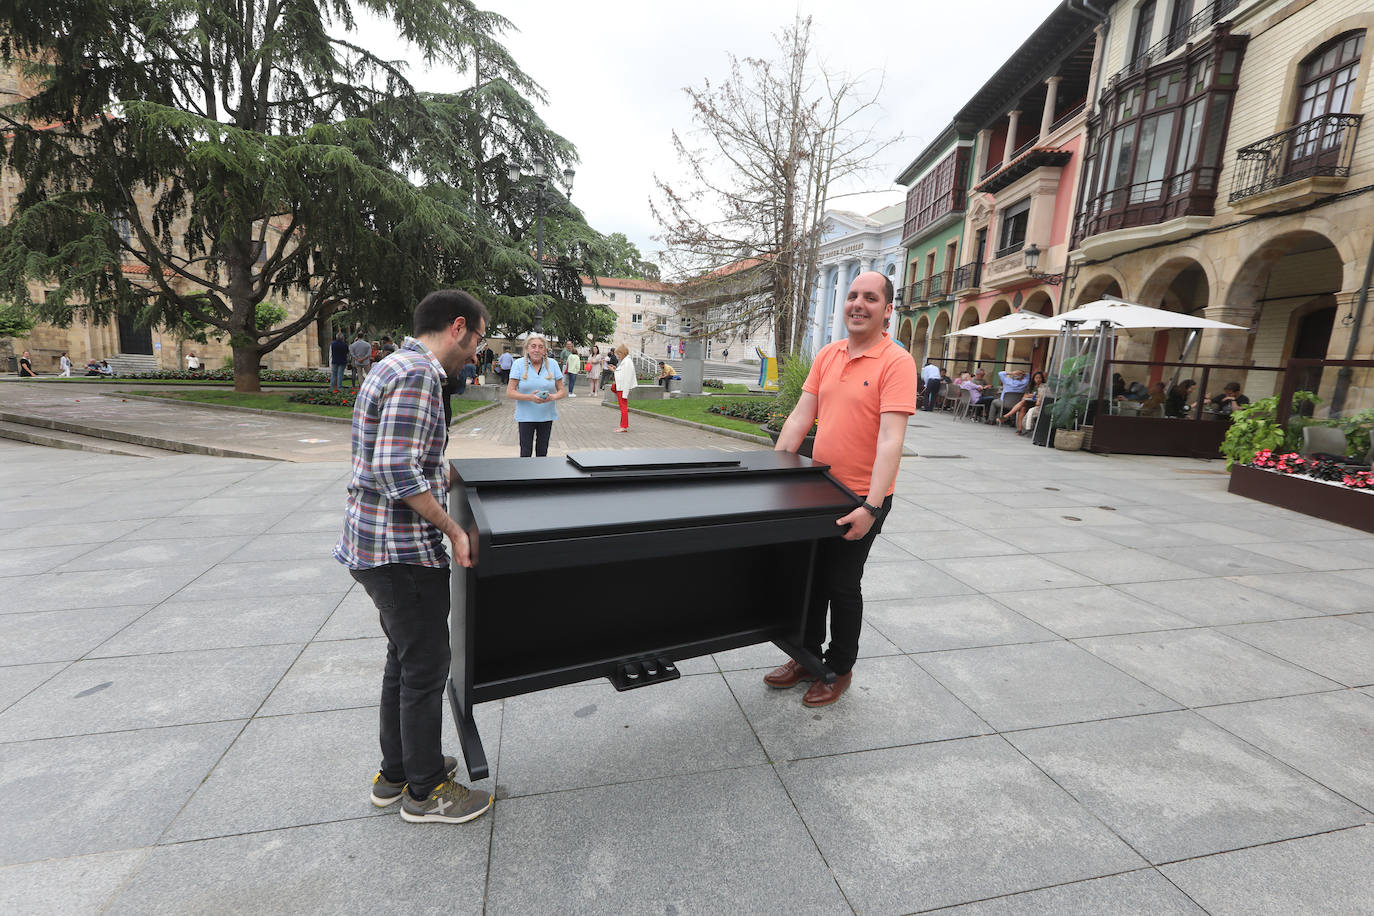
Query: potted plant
x,y
794,373
1070,404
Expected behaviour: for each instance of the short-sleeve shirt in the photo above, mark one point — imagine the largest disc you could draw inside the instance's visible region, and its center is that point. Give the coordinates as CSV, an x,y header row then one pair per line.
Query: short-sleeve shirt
x,y
852,395
530,381
574,364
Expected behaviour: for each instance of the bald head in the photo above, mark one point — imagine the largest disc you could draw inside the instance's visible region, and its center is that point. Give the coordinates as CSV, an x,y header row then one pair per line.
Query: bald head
x,y
881,278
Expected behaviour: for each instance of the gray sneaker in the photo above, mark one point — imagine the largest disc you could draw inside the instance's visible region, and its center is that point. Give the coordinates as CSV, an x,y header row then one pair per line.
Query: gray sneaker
x,y
449,803
385,792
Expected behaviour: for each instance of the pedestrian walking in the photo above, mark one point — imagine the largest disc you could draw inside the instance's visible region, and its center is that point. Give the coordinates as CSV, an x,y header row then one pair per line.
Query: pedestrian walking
x,y
571,367
595,363
504,363
338,360
360,359
625,379
26,366
862,389
66,364
536,381
393,545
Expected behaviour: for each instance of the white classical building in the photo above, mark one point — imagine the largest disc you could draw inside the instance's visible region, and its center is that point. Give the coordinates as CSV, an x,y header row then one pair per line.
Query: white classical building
x,y
852,244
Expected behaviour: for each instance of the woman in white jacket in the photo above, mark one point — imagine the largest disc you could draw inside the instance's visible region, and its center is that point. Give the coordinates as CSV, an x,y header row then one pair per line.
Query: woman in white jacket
x,y
625,379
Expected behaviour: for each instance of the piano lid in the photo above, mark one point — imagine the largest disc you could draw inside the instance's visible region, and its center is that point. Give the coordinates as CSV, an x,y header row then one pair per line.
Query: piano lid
x,y
654,459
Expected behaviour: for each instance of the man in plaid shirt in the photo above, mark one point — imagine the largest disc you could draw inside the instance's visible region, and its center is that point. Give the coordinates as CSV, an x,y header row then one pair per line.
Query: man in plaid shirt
x,y
393,544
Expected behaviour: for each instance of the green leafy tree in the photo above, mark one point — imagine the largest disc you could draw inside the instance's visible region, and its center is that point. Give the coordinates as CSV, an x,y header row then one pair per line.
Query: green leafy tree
x,y
233,151
622,259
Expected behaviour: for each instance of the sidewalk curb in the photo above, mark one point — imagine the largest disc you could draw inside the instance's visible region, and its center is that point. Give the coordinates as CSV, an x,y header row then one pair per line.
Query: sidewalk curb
x,y
732,433
278,413
98,432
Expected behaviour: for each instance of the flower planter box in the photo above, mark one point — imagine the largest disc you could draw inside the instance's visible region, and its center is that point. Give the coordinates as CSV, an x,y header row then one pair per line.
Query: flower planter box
x,y
1333,503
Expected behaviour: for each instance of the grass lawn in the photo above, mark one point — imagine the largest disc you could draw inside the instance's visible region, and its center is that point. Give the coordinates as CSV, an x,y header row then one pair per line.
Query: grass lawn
x,y
199,383
694,409
272,401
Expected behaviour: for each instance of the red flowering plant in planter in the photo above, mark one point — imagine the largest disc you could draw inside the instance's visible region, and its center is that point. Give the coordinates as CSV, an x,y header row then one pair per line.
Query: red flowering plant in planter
x,y
1332,471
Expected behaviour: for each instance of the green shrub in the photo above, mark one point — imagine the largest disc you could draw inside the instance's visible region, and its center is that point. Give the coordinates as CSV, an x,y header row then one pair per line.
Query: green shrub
x,y
324,397
713,383
755,410
1254,428
227,375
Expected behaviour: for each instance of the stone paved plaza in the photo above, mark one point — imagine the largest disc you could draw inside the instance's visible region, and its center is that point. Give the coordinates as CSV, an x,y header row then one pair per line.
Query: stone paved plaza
x,y
1088,685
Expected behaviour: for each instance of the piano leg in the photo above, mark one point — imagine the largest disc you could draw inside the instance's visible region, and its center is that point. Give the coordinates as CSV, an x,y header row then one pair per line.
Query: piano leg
x,y
468,738
806,659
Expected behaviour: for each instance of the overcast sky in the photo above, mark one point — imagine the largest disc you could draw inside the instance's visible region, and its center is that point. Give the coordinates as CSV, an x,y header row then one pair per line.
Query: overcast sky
x,y
614,73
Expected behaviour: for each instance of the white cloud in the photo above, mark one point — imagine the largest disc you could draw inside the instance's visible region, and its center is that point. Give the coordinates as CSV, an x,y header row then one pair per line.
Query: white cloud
x,y
614,72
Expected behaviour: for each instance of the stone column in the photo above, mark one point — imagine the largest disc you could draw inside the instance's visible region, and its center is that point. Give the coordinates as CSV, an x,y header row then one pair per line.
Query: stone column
x,y
1013,121
1225,346
980,166
1051,96
820,315
843,277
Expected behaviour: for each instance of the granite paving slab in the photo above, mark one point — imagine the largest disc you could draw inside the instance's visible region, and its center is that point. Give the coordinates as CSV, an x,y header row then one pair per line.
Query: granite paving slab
x,y
1044,538
1330,646
277,578
1327,736
202,552
1038,684
1314,555
909,579
1323,592
65,534
1364,620
939,545
18,680
53,636
1203,667
336,752
1145,535
192,527
1221,533
226,623
69,887
331,675
145,691
1331,873
103,588
1215,602
592,734
1095,610
1129,894
30,561
1225,560
1118,565
143,777
722,842
916,828
960,622
1000,574
890,702
354,618
349,867
323,520
1176,786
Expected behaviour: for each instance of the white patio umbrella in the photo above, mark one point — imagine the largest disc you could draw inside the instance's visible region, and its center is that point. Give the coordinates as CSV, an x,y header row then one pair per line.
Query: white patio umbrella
x,y
1121,315
999,327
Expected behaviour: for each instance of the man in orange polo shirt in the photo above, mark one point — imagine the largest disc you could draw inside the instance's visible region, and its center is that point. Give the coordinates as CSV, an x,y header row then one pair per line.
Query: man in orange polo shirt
x,y
862,390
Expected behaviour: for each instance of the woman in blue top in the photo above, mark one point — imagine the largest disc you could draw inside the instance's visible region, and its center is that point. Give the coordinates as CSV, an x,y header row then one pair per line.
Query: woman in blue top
x,y
536,382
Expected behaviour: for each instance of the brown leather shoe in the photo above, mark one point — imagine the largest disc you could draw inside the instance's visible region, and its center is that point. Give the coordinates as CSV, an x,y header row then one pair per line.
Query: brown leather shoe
x,y
788,675
823,694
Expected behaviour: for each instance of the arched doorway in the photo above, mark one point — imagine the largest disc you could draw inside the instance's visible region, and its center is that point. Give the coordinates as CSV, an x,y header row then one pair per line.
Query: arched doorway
x,y
987,349
920,341
939,342
1178,285
964,346
904,334
1290,283
1033,350
1099,286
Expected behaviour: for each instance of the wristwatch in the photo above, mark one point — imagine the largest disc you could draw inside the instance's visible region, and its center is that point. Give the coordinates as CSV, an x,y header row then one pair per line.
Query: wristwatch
x,y
874,510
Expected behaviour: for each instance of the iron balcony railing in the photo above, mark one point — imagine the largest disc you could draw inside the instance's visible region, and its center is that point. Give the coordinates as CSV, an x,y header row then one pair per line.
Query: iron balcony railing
x,y
915,293
1320,148
1191,192
1200,21
967,276
935,286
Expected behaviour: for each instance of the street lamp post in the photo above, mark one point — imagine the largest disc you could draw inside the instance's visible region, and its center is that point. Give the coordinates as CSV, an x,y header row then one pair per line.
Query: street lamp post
x,y
542,174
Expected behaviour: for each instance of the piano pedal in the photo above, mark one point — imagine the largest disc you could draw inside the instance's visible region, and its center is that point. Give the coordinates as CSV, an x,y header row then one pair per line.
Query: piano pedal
x,y
643,672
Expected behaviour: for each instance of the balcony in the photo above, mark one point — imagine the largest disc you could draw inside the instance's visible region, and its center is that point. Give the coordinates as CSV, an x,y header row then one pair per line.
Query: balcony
x,y
915,295
965,280
1295,166
1200,21
1026,160
1191,193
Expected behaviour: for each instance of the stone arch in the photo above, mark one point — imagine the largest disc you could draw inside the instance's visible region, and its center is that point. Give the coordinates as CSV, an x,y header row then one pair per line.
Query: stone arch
x,y
920,340
987,349
1180,284
1106,281
1032,350
904,330
963,349
939,327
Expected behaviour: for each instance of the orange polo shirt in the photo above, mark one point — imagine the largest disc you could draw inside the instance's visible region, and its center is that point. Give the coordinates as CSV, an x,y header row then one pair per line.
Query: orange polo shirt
x,y
852,395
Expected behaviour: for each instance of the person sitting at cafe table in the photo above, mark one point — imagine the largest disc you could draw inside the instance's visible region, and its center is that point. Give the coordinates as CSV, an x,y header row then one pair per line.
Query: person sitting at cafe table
x,y
975,390
1229,399
1014,384
1177,404
1036,392
1154,400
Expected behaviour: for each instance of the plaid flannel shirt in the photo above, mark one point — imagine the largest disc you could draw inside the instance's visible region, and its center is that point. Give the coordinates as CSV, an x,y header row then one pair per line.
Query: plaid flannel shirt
x,y
399,440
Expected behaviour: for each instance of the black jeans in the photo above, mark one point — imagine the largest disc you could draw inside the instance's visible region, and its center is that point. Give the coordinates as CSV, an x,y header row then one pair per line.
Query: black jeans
x,y
534,437
839,573
931,393
412,602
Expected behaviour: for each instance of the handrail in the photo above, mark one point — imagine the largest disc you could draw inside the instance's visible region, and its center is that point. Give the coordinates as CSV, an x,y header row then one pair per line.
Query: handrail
x,y
1069,115
1203,19
1321,147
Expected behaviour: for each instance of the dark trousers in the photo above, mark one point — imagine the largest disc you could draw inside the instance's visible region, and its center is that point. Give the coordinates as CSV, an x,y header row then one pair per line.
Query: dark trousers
x,y
534,437
839,572
412,602
931,393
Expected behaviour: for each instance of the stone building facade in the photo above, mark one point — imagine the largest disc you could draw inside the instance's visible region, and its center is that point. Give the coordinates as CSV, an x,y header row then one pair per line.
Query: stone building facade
x,y
851,244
